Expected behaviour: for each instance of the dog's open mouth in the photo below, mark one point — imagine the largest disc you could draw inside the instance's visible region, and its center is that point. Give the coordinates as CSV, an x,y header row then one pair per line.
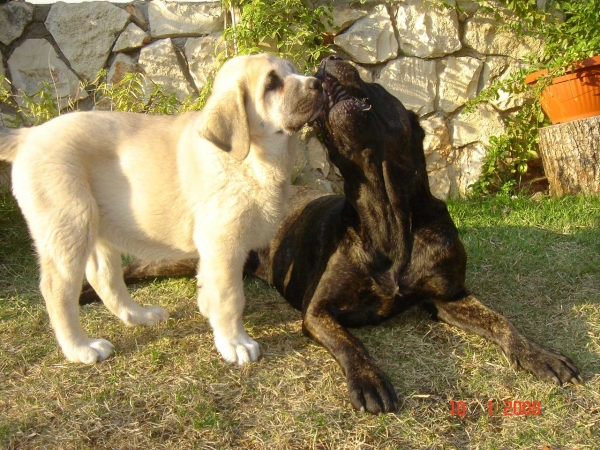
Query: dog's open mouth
x,y
337,98
335,94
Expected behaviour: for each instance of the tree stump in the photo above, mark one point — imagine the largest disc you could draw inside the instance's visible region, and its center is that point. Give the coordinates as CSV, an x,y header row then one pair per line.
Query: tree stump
x,y
571,156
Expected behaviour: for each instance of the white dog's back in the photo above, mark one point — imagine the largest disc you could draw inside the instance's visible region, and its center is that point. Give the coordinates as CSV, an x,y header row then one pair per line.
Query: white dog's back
x,y
121,168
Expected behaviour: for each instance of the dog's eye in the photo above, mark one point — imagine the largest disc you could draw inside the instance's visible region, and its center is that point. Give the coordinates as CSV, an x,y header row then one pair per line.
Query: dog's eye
x,y
273,82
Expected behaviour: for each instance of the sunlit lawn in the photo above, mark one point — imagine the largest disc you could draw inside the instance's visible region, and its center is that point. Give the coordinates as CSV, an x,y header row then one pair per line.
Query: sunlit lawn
x,y
538,262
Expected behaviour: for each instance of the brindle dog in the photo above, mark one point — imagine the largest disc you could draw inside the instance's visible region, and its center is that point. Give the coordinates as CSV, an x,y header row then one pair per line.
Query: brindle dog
x,y
387,245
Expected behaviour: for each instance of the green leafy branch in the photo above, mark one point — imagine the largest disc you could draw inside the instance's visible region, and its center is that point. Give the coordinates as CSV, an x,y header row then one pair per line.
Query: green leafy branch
x,y
132,93
291,29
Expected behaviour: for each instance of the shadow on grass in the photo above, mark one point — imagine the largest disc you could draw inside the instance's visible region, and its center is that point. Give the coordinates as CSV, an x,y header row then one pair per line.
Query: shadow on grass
x,y
547,283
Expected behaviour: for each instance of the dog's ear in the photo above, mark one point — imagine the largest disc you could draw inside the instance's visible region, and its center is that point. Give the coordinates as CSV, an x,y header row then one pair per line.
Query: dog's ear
x,y
225,122
417,131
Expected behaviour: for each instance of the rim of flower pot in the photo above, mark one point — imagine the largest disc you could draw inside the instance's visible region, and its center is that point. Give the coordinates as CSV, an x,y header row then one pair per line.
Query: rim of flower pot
x,y
592,71
585,64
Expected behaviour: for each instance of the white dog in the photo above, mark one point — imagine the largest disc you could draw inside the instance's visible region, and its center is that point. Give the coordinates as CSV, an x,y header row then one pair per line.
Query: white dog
x,y
213,184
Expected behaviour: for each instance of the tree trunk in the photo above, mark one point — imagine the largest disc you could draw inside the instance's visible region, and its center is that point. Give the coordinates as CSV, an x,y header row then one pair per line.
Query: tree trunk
x,y
571,156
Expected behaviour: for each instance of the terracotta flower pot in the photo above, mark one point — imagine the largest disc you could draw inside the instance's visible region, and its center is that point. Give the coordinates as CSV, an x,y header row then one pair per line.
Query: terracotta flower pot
x,y
573,96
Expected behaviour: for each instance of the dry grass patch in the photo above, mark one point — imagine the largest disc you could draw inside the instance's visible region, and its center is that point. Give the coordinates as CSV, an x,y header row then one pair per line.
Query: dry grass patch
x,y
167,387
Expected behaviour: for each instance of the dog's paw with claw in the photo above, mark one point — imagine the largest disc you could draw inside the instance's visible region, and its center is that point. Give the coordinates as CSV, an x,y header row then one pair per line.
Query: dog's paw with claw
x,y
370,390
145,316
240,349
544,363
90,351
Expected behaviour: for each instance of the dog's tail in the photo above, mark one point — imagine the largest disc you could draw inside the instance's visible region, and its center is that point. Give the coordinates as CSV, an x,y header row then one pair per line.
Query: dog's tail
x,y
10,140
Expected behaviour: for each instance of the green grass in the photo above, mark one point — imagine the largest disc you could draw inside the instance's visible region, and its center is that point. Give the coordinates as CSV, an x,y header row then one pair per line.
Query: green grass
x,y
538,262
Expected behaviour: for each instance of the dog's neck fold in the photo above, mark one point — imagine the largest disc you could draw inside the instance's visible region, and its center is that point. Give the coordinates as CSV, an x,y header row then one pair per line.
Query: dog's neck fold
x,y
384,219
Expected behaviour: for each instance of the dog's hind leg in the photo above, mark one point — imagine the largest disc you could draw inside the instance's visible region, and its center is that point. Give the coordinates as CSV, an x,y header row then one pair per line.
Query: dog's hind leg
x,y
138,269
105,275
469,314
60,289
63,240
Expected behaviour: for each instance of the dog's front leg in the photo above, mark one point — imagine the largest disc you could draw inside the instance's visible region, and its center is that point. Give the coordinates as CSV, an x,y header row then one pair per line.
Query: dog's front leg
x,y
471,315
369,388
221,300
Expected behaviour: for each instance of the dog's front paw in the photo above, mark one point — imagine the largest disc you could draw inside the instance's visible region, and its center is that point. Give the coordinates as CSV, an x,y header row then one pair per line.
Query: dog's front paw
x,y
239,349
145,316
91,351
544,363
370,390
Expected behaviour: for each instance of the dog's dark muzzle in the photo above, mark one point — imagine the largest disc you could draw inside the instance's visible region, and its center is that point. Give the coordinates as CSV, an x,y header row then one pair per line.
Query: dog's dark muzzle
x,y
334,91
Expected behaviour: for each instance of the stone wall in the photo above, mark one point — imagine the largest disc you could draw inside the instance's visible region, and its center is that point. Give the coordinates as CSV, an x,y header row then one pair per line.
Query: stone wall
x,y
434,59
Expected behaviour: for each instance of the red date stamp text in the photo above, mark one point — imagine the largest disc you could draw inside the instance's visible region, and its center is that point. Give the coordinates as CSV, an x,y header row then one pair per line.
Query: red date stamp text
x,y
513,408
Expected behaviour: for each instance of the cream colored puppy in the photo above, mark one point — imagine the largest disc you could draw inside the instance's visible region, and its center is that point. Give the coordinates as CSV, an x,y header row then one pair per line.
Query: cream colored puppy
x,y
213,184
